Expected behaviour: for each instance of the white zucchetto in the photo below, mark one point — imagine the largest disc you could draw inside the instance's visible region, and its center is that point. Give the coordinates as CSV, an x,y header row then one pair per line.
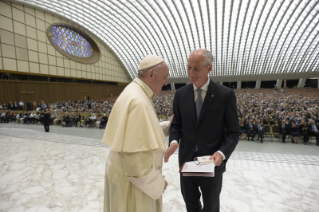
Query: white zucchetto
x,y
149,61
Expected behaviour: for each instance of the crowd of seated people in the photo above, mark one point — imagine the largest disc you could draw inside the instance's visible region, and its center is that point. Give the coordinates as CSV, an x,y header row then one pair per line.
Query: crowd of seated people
x,y
281,113
284,112
57,118
163,103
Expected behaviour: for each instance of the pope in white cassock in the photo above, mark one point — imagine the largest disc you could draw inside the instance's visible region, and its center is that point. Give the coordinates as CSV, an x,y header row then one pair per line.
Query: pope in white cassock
x,y
133,173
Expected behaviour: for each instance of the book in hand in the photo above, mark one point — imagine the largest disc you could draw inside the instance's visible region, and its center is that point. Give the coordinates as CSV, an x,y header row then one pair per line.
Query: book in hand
x,y
193,168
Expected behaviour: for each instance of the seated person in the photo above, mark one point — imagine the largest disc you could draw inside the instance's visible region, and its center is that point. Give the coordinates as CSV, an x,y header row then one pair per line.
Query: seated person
x,y
3,116
242,127
72,119
58,119
103,121
32,117
37,118
260,131
66,120
19,118
284,129
77,119
15,117
252,130
53,116
303,130
294,132
91,119
9,116
83,121
98,120
26,118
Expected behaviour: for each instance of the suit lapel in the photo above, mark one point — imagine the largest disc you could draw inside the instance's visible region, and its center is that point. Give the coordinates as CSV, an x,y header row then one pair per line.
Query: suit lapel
x,y
209,99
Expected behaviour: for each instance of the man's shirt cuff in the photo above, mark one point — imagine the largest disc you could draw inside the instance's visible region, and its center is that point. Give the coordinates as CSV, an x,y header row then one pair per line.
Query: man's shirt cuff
x,y
222,154
174,142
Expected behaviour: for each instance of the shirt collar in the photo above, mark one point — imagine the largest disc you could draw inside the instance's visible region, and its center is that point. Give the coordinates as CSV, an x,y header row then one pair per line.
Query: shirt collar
x,y
144,86
204,87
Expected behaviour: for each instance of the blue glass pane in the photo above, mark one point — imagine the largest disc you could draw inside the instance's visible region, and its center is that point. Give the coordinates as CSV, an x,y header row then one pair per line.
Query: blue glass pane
x,y
70,41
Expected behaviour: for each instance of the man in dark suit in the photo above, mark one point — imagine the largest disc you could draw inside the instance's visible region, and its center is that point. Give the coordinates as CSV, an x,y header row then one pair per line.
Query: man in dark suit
x,y
205,123
313,130
46,121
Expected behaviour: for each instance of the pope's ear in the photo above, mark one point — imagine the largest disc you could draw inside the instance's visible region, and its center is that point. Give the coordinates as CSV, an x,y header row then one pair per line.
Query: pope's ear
x,y
150,73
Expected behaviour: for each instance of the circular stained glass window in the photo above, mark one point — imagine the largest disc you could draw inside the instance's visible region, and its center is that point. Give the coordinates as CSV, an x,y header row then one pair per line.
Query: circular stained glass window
x,y
73,43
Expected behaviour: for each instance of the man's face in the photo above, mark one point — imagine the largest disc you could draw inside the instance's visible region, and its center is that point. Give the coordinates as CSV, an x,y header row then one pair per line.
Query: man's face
x,y
160,78
197,69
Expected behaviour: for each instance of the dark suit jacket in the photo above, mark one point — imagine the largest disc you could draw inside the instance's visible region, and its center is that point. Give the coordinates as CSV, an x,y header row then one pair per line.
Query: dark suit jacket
x,y
310,129
46,118
254,129
287,128
216,129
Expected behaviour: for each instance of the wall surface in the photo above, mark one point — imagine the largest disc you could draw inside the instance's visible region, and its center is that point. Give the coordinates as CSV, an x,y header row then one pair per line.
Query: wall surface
x,y
25,48
49,92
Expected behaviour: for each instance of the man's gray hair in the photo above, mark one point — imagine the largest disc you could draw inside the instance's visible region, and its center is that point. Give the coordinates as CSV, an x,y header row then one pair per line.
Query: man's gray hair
x,y
142,73
208,57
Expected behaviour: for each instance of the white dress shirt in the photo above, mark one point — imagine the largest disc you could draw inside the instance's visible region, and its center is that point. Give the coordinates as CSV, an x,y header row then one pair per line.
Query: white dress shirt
x,y
203,94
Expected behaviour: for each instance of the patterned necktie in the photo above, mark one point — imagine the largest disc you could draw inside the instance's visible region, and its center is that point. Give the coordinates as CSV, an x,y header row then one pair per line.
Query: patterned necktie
x,y
199,102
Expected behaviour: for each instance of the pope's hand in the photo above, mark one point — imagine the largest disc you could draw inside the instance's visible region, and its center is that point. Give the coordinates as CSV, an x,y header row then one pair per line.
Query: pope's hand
x,y
170,151
217,157
166,184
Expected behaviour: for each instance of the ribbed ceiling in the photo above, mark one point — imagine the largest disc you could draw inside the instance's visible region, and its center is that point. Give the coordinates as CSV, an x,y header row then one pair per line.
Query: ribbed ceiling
x,y
246,37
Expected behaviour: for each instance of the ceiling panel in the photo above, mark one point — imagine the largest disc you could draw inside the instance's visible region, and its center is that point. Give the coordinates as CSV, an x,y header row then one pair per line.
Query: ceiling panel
x,y
246,37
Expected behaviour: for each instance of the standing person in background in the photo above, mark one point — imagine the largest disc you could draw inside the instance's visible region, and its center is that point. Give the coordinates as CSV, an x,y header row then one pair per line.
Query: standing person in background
x,y
205,123
46,120
34,105
29,105
133,176
15,105
10,106
21,104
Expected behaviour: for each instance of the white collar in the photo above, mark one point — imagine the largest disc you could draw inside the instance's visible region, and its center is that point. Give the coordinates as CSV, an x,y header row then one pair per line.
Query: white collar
x,y
204,87
145,87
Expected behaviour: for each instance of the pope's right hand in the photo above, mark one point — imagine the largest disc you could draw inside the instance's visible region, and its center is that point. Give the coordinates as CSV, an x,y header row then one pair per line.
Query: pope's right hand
x,y
171,149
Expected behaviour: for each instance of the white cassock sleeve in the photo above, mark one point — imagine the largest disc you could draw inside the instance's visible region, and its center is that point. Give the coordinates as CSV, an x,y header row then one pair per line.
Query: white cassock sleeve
x,y
141,172
165,125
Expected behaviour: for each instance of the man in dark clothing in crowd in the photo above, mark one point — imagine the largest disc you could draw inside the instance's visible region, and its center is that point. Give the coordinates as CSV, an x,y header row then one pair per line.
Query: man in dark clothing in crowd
x,y
29,105
103,121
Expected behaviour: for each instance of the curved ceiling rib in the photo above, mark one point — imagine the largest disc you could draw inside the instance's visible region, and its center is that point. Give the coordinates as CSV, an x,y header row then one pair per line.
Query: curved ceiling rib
x,y
245,37
314,20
